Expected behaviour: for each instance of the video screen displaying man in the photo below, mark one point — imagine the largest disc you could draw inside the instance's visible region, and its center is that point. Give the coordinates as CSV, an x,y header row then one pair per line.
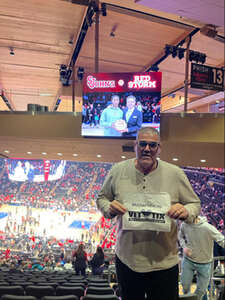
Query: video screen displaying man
x,y
111,117
117,105
132,116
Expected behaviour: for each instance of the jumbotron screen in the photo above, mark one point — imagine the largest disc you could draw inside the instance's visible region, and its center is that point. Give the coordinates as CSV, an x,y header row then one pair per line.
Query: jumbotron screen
x,y
35,170
117,105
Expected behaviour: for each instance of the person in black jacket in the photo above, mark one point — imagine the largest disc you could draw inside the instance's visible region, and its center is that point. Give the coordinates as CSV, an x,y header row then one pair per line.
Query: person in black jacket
x,y
80,260
97,262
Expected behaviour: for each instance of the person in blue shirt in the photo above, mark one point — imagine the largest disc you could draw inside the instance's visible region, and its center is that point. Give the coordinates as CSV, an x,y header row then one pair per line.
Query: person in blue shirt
x,y
110,115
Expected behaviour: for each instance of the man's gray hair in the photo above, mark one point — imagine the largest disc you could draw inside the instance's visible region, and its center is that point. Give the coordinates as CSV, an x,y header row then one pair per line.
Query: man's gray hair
x,y
131,96
148,129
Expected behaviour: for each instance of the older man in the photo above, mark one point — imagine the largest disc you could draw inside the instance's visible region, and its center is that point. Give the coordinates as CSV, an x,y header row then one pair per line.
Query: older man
x,y
146,195
132,116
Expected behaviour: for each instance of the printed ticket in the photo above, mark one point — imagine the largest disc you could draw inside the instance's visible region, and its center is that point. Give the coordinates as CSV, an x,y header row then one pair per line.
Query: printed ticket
x,y
147,211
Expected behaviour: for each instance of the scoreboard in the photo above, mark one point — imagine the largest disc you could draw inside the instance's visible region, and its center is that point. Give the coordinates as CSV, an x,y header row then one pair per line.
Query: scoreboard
x,y
207,77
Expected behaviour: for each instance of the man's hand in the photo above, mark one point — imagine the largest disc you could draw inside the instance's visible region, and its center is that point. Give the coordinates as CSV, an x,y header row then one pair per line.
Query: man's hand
x,y
187,251
178,211
116,208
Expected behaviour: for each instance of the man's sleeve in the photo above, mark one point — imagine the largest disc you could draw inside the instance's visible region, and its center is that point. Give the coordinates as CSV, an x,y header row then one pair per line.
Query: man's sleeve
x,y
217,236
188,198
106,195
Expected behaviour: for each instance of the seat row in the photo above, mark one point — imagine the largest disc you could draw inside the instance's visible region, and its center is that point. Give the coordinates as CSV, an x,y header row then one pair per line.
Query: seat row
x,y
43,290
67,297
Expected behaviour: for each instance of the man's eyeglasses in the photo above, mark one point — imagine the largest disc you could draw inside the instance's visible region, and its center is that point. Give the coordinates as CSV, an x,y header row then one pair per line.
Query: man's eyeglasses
x,y
152,145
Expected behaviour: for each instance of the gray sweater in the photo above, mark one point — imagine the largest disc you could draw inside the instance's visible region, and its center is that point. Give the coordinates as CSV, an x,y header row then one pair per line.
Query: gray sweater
x,y
145,251
200,238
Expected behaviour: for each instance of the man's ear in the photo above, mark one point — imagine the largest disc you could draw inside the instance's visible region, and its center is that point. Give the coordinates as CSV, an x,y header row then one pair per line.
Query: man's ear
x,y
135,143
159,149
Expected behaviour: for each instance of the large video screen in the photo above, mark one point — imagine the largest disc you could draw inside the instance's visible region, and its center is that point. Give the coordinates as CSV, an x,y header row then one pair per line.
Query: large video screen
x,y
35,170
117,105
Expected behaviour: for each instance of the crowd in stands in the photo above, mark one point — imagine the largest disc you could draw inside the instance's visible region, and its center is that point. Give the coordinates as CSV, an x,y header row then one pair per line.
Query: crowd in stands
x,y
210,187
76,191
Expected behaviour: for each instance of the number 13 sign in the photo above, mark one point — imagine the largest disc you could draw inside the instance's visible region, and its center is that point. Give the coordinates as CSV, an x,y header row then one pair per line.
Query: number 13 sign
x,y
207,77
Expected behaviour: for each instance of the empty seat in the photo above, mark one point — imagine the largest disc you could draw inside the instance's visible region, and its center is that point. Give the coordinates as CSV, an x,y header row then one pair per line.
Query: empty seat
x,y
77,277
100,297
14,297
188,297
39,291
11,290
69,290
22,283
48,283
66,297
4,283
99,284
99,290
80,284
96,279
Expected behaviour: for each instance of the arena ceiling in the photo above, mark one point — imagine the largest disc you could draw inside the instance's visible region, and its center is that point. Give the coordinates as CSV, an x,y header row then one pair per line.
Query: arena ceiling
x,y
132,37
43,35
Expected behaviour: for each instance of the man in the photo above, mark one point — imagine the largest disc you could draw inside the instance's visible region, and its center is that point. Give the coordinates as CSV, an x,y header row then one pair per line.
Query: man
x,y
147,260
132,116
110,115
197,241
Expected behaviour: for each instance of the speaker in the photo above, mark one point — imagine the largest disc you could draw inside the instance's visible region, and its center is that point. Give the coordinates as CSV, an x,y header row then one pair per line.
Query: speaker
x,y
32,107
36,107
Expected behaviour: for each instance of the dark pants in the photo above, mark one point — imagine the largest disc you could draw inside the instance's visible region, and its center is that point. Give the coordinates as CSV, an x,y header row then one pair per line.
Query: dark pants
x,y
157,285
80,271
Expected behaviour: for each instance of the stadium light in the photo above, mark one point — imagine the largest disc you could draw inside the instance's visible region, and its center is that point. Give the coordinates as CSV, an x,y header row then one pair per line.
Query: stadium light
x,y
179,52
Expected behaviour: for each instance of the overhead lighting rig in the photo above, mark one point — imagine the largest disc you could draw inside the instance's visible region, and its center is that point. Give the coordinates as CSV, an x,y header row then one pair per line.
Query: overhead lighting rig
x,y
65,73
154,68
179,52
80,73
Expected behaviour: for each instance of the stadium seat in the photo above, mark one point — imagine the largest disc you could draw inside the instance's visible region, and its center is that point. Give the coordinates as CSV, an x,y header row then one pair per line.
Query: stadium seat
x,y
39,291
99,291
98,284
69,290
48,283
100,297
74,284
11,290
22,283
14,297
77,277
66,297
188,297
4,283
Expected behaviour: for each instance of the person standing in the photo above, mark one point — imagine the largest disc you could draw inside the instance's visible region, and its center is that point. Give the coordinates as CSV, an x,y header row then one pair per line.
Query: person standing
x,y
147,195
97,262
80,260
197,241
